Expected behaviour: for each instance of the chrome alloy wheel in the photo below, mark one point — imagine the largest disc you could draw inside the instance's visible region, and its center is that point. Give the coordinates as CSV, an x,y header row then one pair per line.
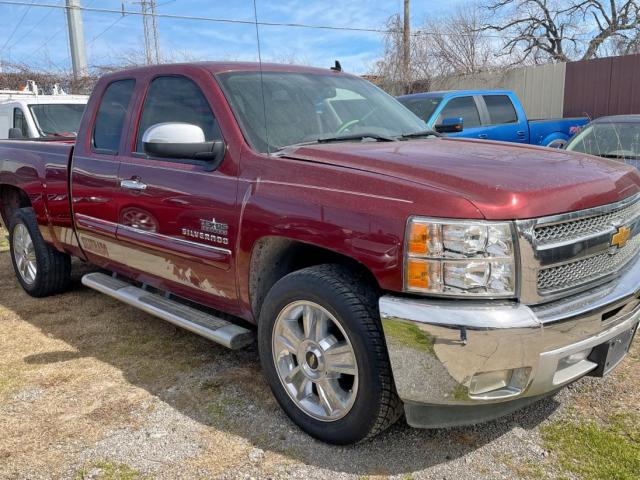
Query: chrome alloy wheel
x,y
25,254
315,360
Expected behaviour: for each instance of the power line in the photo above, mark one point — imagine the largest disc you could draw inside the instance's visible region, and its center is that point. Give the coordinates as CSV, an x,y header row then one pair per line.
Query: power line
x,y
417,33
55,34
44,17
17,26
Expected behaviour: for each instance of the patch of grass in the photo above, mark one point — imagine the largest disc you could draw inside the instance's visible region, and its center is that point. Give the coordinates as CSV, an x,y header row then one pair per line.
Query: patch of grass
x,y
460,392
4,241
526,469
409,335
9,380
590,450
110,471
221,409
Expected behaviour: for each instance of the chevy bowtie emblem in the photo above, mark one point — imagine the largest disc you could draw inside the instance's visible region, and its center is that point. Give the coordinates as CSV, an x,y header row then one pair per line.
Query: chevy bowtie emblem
x,y
621,237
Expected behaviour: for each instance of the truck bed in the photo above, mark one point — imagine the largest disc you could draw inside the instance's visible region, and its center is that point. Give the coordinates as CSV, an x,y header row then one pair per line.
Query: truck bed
x,y
41,169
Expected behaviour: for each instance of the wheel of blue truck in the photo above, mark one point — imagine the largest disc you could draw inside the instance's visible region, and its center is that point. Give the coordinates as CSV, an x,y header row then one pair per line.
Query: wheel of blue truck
x,y
324,356
40,269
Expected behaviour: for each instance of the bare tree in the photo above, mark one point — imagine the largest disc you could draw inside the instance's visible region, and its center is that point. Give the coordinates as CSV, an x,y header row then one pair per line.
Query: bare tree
x,y
390,71
562,30
451,46
458,44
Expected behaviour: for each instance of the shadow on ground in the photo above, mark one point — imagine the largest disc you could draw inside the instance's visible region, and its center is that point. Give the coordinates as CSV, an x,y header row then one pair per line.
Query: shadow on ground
x,y
225,390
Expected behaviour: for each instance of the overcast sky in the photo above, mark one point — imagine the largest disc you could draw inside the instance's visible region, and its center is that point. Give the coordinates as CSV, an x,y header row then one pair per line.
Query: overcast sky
x,y
41,35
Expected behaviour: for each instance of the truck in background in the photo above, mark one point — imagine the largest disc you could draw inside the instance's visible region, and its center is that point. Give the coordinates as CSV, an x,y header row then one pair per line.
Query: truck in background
x,y
28,114
490,115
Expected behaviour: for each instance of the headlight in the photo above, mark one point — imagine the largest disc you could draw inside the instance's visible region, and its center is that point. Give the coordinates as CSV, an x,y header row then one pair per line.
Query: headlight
x,y
460,258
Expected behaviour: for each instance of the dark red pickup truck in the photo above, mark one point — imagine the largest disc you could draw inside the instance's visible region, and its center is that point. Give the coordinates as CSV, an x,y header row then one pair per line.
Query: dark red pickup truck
x,y
387,269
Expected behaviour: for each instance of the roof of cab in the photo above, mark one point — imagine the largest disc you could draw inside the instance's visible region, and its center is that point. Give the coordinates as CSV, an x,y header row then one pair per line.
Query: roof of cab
x,y
450,93
222,67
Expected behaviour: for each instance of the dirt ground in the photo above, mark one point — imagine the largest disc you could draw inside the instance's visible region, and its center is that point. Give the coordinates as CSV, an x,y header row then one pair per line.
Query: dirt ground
x,y
91,388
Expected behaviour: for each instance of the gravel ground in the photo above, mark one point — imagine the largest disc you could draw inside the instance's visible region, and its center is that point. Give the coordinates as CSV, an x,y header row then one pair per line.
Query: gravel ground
x,y
90,388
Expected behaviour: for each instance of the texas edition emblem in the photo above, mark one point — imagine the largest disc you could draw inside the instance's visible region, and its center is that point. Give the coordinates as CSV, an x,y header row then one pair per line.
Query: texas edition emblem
x,y
621,237
210,231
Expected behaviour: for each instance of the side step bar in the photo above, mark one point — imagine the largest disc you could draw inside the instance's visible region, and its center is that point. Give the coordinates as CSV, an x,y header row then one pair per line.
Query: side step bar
x,y
209,326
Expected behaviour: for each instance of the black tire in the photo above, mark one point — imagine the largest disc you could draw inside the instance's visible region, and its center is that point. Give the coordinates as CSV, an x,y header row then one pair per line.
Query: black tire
x,y
53,271
354,306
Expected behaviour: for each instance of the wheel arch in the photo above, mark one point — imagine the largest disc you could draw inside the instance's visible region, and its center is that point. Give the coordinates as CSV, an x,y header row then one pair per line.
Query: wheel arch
x,y
12,198
274,257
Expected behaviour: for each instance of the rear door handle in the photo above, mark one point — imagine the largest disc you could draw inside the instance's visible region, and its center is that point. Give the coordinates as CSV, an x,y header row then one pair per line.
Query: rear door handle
x,y
133,184
482,135
520,133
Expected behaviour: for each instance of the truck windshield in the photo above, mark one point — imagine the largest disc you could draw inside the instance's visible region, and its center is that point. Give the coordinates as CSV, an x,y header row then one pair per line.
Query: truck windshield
x,y
423,107
311,107
610,140
57,119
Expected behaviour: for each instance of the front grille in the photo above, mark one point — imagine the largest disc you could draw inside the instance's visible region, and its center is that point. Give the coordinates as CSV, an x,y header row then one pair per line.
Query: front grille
x,y
584,227
587,269
565,254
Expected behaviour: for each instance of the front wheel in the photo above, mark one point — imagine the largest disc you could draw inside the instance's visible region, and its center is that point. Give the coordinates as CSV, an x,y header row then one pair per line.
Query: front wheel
x,y
324,356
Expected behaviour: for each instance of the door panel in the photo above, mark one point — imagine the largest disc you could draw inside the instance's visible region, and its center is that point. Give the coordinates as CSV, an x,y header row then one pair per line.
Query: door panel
x,y
94,175
178,222
502,120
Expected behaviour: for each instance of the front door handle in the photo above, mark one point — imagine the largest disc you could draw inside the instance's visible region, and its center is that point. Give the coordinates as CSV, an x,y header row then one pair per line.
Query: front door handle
x,y
133,184
482,135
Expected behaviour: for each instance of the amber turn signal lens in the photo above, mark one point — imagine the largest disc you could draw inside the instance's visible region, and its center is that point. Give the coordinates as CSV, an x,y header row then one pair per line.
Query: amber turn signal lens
x,y
418,236
417,274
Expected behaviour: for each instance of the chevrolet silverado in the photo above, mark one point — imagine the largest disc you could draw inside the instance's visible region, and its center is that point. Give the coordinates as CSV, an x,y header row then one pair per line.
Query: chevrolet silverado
x,y
383,269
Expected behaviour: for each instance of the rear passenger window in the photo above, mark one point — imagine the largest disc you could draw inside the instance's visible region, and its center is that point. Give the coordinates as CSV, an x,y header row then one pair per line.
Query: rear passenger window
x,y
464,107
500,109
177,99
20,122
111,116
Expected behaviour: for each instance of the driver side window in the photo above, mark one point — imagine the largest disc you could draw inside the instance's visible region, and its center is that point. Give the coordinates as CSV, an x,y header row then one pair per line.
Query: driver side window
x,y
464,107
178,100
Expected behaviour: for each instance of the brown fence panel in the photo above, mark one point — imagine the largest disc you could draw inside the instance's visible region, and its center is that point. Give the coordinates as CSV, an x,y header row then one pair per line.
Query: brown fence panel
x,y
603,86
586,88
625,85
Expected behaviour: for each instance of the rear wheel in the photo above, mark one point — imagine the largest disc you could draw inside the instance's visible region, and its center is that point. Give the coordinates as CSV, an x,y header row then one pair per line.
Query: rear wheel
x,y
324,356
40,269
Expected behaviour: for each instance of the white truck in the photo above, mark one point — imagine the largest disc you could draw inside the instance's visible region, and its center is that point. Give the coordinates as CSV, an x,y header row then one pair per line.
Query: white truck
x,y
28,114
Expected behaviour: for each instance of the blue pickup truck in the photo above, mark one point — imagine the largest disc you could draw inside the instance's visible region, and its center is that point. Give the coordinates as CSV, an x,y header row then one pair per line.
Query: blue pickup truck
x,y
488,114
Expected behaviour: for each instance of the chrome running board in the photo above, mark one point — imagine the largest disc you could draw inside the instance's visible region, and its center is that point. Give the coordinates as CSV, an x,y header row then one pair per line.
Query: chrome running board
x,y
209,326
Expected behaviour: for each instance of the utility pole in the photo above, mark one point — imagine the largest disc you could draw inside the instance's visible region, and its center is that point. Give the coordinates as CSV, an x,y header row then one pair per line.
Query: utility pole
x,y
76,39
151,36
406,46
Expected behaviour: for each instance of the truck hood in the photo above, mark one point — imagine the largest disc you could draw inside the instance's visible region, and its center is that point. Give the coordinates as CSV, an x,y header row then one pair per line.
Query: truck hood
x,y
504,181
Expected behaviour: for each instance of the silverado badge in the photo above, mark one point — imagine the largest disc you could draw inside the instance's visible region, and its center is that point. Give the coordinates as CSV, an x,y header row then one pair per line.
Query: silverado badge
x,y
621,237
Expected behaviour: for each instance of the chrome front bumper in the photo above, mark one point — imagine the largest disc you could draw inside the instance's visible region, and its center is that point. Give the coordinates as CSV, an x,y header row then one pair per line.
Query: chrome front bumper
x,y
438,347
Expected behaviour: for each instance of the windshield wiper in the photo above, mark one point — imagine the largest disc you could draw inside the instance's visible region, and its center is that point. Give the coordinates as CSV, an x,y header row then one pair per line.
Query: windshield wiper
x,y
422,133
620,157
342,138
357,136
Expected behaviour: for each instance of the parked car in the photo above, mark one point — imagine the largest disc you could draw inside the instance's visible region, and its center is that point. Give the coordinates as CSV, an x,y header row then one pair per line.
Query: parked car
x,y
29,114
488,114
616,137
387,269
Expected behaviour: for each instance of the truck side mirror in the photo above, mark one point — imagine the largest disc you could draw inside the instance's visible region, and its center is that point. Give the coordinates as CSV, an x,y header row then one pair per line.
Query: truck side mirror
x,y
182,141
450,125
15,134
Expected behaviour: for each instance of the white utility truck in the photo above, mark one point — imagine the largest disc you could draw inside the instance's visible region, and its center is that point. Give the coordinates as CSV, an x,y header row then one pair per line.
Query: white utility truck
x,y
28,114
